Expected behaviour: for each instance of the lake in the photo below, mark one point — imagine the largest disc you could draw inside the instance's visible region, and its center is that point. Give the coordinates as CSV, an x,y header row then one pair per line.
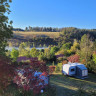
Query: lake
x,y
10,48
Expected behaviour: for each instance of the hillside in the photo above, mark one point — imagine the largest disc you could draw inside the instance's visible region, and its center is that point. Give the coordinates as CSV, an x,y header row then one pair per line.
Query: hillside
x,y
67,34
31,35
36,39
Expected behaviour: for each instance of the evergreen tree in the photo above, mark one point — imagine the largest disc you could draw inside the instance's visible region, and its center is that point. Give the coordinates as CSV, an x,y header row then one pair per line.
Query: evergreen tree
x,y
26,29
14,54
34,52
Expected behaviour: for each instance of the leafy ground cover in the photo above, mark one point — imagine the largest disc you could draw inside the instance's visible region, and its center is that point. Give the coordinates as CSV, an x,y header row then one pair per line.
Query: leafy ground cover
x,y
69,86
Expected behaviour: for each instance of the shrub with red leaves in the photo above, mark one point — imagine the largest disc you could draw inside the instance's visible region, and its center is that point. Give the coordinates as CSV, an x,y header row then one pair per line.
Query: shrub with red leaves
x,y
64,62
6,72
51,69
33,76
73,58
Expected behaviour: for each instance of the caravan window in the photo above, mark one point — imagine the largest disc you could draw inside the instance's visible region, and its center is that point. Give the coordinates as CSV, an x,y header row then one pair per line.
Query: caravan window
x,y
72,70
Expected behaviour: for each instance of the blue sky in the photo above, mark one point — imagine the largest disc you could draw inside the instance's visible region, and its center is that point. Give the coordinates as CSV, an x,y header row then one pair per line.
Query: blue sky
x,y
54,13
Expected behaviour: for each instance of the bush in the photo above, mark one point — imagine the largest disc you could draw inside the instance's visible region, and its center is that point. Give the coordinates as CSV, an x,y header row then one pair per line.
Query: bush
x,y
26,78
52,69
64,62
6,72
14,54
73,58
58,67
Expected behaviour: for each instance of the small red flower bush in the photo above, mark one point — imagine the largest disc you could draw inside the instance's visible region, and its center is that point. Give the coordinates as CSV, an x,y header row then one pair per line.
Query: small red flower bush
x,y
33,76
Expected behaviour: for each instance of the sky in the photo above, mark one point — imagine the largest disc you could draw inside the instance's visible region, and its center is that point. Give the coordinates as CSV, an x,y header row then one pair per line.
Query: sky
x,y
53,13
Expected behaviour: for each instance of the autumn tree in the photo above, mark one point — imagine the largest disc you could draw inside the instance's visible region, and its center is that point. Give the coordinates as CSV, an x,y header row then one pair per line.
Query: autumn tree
x,y
73,58
75,46
93,66
85,51
5,25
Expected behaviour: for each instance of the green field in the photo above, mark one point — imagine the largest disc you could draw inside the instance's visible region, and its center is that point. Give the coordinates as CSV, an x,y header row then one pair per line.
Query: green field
x,y
36,34
68,86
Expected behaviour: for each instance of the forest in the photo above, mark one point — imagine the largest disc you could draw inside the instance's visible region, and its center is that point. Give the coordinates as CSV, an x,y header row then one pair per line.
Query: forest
x,y
37,39
38,29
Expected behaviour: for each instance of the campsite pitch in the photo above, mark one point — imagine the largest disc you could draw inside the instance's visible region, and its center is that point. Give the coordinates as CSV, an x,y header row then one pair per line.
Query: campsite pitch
x,y
69,86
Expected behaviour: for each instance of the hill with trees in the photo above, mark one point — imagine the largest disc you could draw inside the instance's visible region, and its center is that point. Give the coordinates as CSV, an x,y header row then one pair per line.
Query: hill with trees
x,y
47,38
68,34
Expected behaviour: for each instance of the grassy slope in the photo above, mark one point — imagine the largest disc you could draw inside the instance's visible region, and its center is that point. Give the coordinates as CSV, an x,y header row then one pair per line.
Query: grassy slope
x,y
34,34
66,86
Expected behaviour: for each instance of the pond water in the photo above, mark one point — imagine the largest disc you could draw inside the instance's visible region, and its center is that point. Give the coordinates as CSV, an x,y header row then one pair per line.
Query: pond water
x,y
10,48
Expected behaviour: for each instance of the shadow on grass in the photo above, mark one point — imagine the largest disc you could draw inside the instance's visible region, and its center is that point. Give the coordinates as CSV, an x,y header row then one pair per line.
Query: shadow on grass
x,y
91,78
63,91
67,85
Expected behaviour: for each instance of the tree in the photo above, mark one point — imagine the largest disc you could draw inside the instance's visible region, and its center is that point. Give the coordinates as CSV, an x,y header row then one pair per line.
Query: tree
x,y
66,46
85,51
47,54
93,66
67,34
26,29
5,25
30,28
75,46
54,49
34,52
14,54
73,58
41,56
22,49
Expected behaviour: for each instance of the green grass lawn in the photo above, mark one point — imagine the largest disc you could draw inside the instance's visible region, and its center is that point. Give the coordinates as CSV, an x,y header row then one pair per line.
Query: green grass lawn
x,y
68,86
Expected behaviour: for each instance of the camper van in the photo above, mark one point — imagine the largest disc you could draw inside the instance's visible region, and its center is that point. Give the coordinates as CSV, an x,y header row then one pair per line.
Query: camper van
x,y
75,69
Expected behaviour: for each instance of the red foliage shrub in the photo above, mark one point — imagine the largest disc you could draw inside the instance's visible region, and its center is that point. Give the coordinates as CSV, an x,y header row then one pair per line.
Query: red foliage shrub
x,y
64,62
73,58
32,76
51,69
6,72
